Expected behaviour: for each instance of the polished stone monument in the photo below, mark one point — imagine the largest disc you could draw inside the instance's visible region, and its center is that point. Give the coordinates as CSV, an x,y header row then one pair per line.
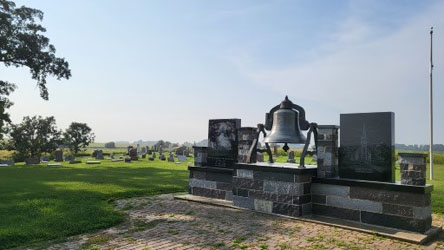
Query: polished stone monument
x,y
223,142
367,149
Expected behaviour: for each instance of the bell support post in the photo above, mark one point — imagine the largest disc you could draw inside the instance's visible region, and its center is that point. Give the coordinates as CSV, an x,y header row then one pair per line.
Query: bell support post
x,y
313,128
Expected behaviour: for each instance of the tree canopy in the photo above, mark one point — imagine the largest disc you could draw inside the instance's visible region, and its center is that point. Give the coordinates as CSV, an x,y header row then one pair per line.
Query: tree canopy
x,y
22,44
34,136
78,136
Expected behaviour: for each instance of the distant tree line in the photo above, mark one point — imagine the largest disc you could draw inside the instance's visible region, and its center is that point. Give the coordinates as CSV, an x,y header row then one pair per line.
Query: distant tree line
x,y
37,135
420,147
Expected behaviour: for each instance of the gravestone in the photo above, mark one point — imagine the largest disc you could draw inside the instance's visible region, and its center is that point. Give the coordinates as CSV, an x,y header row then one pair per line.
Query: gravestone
x,y
139,150
171,158
180,150
246,137
99,154
58,154
223,142
32,161
186,153
413,168
276,151
291,158
129,149
7,163
111,157
133,154
200,156
367,149
162,157
182,158
143,156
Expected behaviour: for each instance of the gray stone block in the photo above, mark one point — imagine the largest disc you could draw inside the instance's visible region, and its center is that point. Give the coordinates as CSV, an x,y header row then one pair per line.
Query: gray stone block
x,y
319,199
283,187
263,206
202,184
397,210
244,173
306,209
287,209
344,202
422,212
393,197
243,202
228,196
247,183
326,189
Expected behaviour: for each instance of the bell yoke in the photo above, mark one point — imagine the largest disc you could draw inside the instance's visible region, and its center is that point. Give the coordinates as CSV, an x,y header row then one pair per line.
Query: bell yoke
x,y
286,122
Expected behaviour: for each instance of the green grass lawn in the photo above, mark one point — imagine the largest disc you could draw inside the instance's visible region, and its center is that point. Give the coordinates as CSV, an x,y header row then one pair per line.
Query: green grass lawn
x,y
40,203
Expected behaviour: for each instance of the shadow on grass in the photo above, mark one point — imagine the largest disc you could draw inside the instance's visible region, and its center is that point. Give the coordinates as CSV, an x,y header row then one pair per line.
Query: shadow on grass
x,y
41,203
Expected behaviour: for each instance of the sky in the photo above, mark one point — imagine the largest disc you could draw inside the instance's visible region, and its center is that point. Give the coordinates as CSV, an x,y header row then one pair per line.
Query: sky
x,y
155,70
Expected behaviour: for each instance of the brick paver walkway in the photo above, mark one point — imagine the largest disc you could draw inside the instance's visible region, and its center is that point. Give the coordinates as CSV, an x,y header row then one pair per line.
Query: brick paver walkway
x,y
160,222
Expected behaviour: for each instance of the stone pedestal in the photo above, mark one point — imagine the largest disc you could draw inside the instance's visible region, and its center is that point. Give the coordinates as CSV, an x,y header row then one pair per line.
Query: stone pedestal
x,y
273,188
211,182
327,151
413,168
246,137
200,156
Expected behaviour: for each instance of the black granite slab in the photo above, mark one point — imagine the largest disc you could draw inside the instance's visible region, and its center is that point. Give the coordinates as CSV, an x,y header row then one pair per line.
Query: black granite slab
x,y
367,148
223,142
277,168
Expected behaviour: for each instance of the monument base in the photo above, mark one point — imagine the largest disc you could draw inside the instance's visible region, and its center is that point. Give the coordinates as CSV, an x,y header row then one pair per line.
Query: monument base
x,y
412,237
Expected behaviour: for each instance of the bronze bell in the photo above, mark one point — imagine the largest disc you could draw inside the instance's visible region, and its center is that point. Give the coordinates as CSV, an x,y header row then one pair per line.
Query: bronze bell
x,y
286,127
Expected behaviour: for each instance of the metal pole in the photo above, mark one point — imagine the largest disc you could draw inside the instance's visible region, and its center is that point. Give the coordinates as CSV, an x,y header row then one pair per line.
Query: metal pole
x,y
431,104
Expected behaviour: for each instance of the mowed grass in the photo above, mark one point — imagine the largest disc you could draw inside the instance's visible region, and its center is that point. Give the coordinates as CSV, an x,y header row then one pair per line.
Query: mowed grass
x,y
39,203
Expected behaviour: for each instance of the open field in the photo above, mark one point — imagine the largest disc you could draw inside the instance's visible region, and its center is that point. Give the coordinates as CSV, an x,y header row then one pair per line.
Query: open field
x,y
41,203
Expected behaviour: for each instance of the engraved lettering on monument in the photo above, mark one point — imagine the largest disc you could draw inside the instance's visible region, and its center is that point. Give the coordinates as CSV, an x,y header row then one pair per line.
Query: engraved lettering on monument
x,y
367,146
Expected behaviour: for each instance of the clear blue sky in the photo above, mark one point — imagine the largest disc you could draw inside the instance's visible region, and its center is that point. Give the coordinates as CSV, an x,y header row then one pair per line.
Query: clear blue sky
x,y
160,69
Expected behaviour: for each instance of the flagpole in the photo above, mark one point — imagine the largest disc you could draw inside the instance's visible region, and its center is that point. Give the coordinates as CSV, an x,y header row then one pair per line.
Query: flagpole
x,y
431,104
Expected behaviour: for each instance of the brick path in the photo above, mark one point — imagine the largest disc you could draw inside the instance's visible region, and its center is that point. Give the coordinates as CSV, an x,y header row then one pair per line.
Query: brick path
x,y
160,222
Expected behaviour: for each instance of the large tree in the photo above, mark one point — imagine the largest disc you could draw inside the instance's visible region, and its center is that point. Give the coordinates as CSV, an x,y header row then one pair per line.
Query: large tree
x,y
22,44
78,136
34,136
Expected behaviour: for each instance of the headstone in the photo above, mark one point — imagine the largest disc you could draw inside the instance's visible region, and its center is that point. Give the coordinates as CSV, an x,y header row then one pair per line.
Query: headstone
x,y
129,149
367,149
246,136
160,150
93,162
200,156
291,158
45,160
162,157
171,158
99,154
117,160
413,168
69,158
7,163
32,161
151,158
143,150
133,154
54,164
186,153
276,151
58,154
223,142
260,157
111,156
139,150
182,158
327,151
153,155
180,150
75,161
143,156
